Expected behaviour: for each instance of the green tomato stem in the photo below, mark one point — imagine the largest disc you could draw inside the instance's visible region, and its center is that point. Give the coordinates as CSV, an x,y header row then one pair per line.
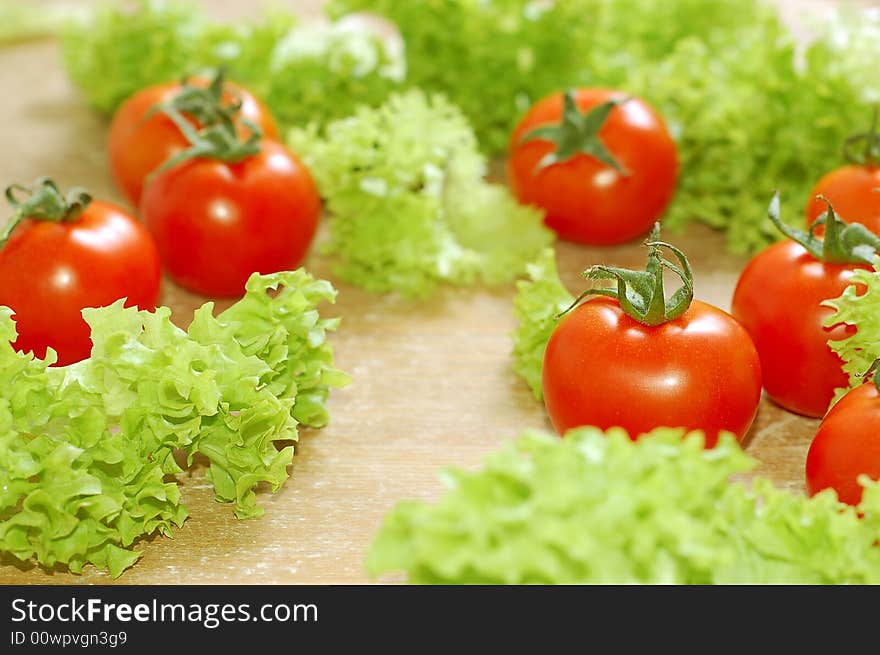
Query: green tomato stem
x,y
217,136
576,133
871,142
641,294
842,243
43,201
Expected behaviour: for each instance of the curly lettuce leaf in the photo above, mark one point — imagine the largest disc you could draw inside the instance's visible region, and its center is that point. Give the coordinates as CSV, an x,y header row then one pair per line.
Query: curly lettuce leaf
x,y
76,489
304,74
600,508
539,299
410,208
114,51
859,306
492,59
87,447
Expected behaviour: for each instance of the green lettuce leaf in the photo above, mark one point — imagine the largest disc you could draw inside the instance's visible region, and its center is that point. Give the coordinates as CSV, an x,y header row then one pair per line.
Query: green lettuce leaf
x,y
76,489
304,75
492,59
600,508
87,447
114,51
539,299
410,209
859,306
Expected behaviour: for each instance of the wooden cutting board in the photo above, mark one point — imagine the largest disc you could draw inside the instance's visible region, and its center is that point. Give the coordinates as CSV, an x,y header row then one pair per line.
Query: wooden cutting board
x,y
432,385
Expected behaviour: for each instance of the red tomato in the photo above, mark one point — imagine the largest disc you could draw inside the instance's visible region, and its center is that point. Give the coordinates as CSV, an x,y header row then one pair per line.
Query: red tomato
x,y
138,145
586,200
853,190
50,271
216,223
778,300
847,445
697,371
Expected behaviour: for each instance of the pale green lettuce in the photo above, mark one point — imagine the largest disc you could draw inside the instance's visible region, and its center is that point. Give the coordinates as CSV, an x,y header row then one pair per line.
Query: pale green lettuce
x,y
599,508
539,299
304,74
88,446
858,305
408,203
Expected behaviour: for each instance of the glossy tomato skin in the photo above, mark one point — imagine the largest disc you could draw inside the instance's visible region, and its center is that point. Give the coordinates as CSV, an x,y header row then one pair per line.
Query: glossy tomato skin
x,y
850,189
138,145
585,200
846,445
605,369
50,271
216,223
778,300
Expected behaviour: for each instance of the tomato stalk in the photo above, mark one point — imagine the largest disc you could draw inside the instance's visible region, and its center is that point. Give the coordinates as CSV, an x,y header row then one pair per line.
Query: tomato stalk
x,y
842,243
43,201
204,104
217,137
577,133
870,157
641,294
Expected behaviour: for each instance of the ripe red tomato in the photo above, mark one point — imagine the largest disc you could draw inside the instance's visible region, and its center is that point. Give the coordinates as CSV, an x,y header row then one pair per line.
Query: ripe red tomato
x,y
216,223
697,371
778,300
846,445
50,271
855,193
138,145
568,169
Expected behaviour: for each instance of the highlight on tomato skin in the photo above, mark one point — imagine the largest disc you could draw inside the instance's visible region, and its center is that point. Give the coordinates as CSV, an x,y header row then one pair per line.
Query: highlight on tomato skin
x,y
601,163
69,256
846,446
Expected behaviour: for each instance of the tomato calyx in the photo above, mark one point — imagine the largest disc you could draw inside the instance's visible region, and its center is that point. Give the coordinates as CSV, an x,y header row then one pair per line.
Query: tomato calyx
x,y
871,373
641,294
870,140
218,136
575,134
43,201
842,243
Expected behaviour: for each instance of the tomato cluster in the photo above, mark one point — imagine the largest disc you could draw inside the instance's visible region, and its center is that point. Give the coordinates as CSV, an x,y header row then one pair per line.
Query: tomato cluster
x,y
218,197
603,167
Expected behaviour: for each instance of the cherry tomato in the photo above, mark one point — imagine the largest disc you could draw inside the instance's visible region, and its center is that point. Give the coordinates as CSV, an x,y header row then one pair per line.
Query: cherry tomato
x,y
778,300
215,223
50,271
855,193
611,195
697,371
846,445
138,144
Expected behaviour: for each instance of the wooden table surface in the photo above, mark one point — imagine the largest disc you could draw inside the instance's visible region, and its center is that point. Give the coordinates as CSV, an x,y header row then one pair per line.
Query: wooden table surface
x,y
432,384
